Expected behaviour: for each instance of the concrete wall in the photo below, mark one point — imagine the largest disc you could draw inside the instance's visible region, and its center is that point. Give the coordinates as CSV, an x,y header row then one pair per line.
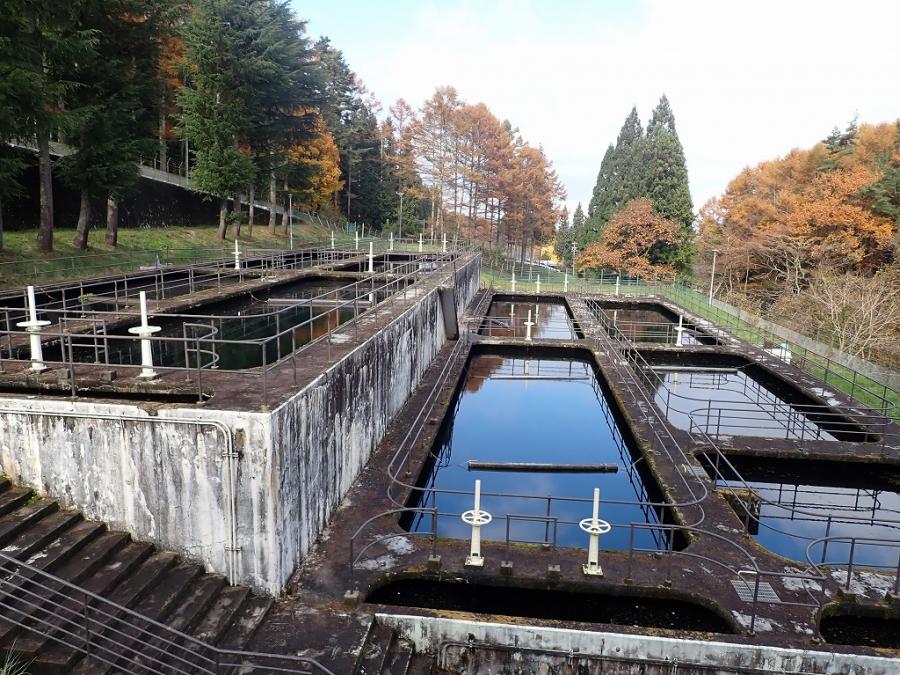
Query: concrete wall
x,y
327,431
165,477
556,650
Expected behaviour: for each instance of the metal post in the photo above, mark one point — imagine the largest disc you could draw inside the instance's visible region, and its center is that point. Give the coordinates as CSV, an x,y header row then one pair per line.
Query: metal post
x,y
476,518
538,285
594,527
34,328
237,256
528,324
392,242
680,330
617,284
566,283
332,241
371,258
144,331
513,282
712,277
356,239
420,242
444,243
291,220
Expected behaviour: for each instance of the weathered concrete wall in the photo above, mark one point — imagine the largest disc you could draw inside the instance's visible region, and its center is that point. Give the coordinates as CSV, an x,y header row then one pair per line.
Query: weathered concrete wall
x,y
538,649
327,431
165,477
160,477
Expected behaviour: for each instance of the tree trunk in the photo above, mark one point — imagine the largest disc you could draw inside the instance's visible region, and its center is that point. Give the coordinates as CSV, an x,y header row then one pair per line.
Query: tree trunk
x,y
223,209
84,222
251,216
45,174
273,205
112,222
162,132
239,213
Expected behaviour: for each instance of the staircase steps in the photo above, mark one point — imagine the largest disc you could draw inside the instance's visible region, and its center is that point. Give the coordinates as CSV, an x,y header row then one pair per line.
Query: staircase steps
x,y
373,656
157,603
400,657
24,517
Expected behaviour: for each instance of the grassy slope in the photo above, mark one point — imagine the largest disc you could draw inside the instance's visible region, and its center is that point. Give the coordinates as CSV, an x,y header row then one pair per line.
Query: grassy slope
x,y
136,246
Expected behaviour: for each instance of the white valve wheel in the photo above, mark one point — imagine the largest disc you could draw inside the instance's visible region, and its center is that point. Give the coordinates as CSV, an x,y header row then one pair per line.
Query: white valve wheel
x,y
472,517
589,526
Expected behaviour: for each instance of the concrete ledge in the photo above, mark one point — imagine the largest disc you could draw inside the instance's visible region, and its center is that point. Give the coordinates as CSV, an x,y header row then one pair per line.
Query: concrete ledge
x,y
540,647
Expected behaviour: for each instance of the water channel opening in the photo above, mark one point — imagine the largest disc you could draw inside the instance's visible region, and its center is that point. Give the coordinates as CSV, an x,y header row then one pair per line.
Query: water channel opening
x,y
250,316
792,502
648,322
545,406
730,395
622,608
552,318
864,627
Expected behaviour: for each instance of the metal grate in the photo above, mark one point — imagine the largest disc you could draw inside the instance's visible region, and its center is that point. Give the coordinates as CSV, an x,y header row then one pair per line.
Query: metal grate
x,y
766,593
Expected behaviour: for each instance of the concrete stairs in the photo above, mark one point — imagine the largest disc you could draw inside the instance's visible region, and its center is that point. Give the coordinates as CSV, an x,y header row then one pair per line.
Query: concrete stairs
x,y
44,621
386,653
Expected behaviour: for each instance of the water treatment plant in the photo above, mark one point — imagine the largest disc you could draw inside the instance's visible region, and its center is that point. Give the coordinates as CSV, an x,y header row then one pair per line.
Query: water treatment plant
x,y
330,460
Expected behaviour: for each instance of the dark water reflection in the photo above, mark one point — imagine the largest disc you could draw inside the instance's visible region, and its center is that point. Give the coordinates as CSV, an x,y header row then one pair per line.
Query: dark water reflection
x,y
550,319
801,496
532,409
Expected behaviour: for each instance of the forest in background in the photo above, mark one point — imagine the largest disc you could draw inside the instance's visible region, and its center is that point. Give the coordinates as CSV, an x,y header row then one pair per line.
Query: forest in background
x,y
235,94
811,240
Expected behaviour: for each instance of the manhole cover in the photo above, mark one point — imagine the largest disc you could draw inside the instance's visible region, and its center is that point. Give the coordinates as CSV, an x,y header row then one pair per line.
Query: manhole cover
x,y
745,591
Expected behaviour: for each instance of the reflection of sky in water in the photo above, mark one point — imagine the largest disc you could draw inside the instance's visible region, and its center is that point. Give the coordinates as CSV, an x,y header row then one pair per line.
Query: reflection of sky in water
x,y
747,407
551,320
535,410
788,534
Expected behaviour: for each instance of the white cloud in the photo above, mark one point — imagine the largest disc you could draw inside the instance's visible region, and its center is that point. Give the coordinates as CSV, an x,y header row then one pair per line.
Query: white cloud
x,y
747,81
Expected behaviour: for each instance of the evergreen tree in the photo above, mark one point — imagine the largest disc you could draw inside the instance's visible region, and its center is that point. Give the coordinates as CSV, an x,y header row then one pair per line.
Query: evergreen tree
x,y
662,117
115,98
885,193
562,245
41,40
839,144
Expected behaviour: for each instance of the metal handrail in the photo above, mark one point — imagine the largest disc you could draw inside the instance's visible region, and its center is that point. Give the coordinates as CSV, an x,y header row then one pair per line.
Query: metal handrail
x,y
107,631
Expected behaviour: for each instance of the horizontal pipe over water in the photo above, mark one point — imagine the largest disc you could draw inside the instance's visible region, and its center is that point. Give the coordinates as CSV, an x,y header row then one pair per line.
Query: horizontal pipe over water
x,y
538,467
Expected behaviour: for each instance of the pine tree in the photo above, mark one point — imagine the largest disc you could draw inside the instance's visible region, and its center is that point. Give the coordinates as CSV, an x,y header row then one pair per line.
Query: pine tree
x,y
41,40
885,193
116,97
839,144
212,100
562,245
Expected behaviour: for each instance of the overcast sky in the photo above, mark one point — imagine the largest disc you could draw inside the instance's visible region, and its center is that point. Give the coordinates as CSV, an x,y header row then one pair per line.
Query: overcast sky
x,y
747,81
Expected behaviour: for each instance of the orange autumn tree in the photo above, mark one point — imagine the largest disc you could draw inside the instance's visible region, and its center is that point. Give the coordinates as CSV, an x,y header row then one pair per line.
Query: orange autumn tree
x,y
780,221
316,166
634,241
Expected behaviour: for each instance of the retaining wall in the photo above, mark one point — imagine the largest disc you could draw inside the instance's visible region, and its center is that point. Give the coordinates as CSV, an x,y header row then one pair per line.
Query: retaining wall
x,y
245,493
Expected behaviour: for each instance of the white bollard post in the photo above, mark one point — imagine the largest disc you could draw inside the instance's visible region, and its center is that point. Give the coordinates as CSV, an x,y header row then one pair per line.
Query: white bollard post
x,y
444,243
477,519
145,331
528,325
566,283
371,258
594,527
332,241
617,284
237,256
514,282
356,239
538,287
392,242
420,242
679,332
34,328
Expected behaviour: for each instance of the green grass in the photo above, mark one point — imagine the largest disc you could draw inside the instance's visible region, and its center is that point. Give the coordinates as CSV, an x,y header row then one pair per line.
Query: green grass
x,y
22,264
846,380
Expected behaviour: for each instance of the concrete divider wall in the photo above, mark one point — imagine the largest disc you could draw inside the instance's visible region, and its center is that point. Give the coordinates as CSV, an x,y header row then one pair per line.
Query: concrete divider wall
x,y
327,432
165,477
541,649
